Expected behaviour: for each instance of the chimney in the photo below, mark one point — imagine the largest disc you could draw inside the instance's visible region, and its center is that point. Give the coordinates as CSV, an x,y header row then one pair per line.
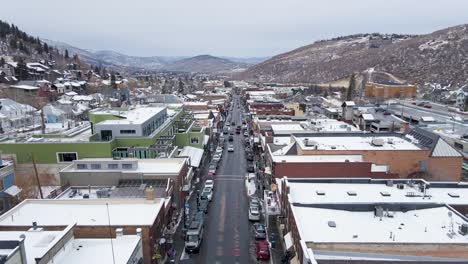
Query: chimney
x,y
118,232
149,193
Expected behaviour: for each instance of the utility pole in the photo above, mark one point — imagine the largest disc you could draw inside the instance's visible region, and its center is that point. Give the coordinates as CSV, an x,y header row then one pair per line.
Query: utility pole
x,y
37,176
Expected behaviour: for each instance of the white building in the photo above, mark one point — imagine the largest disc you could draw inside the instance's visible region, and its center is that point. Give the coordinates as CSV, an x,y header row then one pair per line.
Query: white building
x,y
138,122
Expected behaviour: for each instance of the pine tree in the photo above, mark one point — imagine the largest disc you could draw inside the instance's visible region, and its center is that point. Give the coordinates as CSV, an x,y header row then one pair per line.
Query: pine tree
x,y
13,43
66,54
39,48
351,88
46,48
113,81
2,61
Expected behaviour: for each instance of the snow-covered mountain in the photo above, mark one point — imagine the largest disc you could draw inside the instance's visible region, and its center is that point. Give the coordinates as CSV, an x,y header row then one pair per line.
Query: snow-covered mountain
x,y
439,57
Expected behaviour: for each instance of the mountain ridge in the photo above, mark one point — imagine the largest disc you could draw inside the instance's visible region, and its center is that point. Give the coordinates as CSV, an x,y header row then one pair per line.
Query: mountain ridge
x,y
438,57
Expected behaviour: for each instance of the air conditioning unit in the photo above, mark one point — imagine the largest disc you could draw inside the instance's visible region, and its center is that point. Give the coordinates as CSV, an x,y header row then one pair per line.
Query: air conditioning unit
x,y
390,141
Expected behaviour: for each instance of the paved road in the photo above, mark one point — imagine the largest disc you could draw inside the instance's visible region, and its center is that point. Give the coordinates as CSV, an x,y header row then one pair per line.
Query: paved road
x,y
227,230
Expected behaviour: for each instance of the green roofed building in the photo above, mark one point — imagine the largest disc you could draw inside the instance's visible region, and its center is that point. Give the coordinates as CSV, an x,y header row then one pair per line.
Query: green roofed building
x,y
141,132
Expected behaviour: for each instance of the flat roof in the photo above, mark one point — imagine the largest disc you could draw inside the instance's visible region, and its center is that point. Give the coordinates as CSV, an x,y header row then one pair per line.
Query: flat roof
x,y
425,226
36,243
83,212
355,143
98,250
147,166
306,191
316,158
135,116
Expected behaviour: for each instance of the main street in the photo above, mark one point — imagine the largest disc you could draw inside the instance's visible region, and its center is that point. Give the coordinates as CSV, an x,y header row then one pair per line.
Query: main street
x,y
227,229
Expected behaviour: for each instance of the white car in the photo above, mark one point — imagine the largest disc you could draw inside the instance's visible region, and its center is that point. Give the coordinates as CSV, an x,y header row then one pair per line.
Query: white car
x,y
231,148
209,183
208,193
217,157
254,214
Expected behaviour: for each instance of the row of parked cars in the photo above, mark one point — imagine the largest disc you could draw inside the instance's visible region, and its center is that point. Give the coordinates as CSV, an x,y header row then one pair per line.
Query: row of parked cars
x,y
262,249
194,233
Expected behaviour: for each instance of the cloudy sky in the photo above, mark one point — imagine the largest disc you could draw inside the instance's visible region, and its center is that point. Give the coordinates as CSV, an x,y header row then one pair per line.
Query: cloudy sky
x,y
242,28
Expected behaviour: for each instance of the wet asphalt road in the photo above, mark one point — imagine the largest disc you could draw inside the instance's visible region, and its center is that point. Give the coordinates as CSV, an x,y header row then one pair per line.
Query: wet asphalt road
x,y
227,229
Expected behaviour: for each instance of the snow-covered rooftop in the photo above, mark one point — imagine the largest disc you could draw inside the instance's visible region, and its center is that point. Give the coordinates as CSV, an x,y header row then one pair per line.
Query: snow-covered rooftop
x,y
414,226
369,191
136,116
98,250
355,143
149,166
85,212
195,155
316,158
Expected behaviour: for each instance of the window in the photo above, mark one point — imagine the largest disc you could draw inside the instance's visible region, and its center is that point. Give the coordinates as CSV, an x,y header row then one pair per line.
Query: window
x,y
66,156
81,166
194,140
132,131
126,166
112,166
95,166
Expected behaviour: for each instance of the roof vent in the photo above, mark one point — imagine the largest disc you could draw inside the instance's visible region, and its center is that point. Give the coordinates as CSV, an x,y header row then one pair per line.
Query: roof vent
x,y
390,140
378,142
400,186
454,195
389,183
332,224
320,192
464,229
352,193
378,211
385,194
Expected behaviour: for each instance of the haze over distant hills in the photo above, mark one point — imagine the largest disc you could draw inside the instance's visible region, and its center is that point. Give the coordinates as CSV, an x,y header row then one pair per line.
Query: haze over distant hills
x,y
439,57
117,61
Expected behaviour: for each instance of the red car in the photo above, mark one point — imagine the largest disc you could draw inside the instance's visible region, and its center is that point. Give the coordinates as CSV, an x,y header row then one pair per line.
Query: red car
x,y
428,106
413,103
262,250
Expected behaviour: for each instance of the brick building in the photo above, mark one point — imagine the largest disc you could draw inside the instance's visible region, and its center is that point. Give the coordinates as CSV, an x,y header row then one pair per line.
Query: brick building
x,y
382,221
94,218
387,91
417,154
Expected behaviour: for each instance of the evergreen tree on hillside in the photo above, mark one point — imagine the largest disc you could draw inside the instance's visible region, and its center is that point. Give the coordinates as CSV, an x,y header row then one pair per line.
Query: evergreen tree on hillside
x,y
66,54
113,81
46,48
351,88
2,61
13,43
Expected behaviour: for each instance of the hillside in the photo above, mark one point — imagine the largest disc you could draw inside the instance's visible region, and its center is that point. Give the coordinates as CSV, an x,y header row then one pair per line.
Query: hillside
x,y
439,57
18,45
203,63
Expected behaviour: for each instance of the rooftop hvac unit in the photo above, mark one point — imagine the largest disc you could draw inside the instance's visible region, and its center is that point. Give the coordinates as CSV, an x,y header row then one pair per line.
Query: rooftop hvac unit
x,y
377,142
400,186
390,140
464,229
378,211
389,183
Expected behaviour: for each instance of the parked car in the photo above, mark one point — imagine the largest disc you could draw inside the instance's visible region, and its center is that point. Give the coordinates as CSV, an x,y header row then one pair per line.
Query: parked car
x,y
249,157
203,205
387,113
259,231
230,148
421,103
246,133
413,103
262,250
250,168
428,106
231,138
254,214
208,193
209,183
217,157
233,123
212,169
255,202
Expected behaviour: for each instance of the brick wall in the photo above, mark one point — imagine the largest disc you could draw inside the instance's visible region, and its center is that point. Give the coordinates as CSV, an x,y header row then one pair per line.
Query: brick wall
x,y
403,163
326,170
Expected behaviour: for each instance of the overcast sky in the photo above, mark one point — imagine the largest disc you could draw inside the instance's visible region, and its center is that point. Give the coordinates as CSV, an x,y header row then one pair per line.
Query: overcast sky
x,y
242,28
